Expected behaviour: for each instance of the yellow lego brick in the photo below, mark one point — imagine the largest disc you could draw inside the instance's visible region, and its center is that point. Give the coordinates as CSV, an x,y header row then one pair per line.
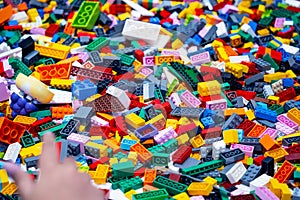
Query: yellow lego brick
x,y
123,160
209,88
182,139
112,144
96,138
9,189
281,190
81,128
69,60
92,98
4,105
210,180
176,44
53,50
263,32
274,77
294,114
133,156
134,120
250,114
273,99
181,196
274,186
123,16
34,150
102,148
200,188
3,178
248,45
230,136
279,139
235,40
137,65
63,84
285,192
196,156
158,121
171,122
105,116
184,121
222,55
24,120
235,69
101,173
165,32
243,9
198,123
290,74
278,154
129,194
83,169
32,14
197,141
261,9
113,161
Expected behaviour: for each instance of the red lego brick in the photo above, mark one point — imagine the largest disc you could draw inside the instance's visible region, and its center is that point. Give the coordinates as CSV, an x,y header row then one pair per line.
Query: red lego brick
x,y
13,28
185,128
182,153
287,94
10,132
35,127
246,94
102,160
139,54
164,14
51,30
140,172
258,160
212,132
293,149
246,125
121,125
284,172
286,34
243,197
174,177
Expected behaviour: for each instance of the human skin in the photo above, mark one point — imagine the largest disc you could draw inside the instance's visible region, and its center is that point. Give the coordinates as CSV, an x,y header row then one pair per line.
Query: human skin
x,y
57,181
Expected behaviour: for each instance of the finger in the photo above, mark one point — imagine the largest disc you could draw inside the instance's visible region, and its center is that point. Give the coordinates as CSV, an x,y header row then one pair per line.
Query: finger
x,y
49,156
23,180
70,163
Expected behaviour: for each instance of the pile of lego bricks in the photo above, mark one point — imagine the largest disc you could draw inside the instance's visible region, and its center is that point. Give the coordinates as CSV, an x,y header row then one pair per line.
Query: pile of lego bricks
x,y
155,99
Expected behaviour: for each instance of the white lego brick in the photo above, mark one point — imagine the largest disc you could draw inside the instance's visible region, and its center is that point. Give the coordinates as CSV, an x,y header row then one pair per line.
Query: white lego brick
x,y
222,30
140,9
120,94
288,23
260,181
170,77
78,50
192,49
12,152
161,41
236,172
239,59
16,53
98,121
4,47
61,97
244,188
294,3
135,15
217,148
135,30
290,49
20,17
175,99
247,28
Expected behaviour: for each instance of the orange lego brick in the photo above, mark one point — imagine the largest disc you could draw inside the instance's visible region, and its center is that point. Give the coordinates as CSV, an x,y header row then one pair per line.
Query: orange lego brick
x,y
10,131
48,72
161,59
22,6
267,142
6,13
112,144
149,188
256,131
238,111
278,154
60,112
285,171
150,175
143,154
197,141
229,51
294,114
9,189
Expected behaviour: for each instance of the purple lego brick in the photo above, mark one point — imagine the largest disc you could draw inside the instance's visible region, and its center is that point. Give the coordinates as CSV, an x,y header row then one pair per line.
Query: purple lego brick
x,y
165,135
4,91
271,132
247,149
148,61
220,104
146,132
286,130
265,193
81,139
189,99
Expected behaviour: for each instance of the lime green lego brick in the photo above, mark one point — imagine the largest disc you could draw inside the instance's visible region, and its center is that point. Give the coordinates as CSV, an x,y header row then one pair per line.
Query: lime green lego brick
x,y
1,155
42,113
282,5
171,186
172,87
97,44
87,15
161,194
204,167
270,60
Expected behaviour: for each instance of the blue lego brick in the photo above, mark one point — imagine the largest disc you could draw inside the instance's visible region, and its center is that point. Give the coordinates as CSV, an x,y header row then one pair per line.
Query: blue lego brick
x,y
189,162
126,144
252,173
233,121
13,23
69,128
266,114
146,132
232,156
63,150
83,89
252,142
207,122
287,82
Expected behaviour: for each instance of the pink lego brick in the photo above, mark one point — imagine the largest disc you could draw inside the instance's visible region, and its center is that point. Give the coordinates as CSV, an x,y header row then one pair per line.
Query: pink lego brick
x,y
279,22
146,71
148,61
4,91
284,128
81,139
169,52
220,104
287,121
271,132
84,56
200,58
189,99
97,121
247,149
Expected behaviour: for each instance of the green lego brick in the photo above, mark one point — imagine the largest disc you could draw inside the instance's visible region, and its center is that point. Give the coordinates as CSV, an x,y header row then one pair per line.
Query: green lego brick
x,y
266,21
123,169
277,108
63,35
224,193
115,181
114,43
282,5
27,140
160,159
42,113
297,176
172,87
87,15
97,44
19,67
159,71
120,155
133,183
170,145
282,13
225,86
161,194
55,130
135,44
246,36
2,155
204,167
267,13
270,60
110,152
158,94
171,186
13,40
157,149
126,60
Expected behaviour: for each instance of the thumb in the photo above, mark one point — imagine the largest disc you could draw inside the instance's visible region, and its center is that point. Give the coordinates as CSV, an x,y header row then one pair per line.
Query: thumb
x,y
21,178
